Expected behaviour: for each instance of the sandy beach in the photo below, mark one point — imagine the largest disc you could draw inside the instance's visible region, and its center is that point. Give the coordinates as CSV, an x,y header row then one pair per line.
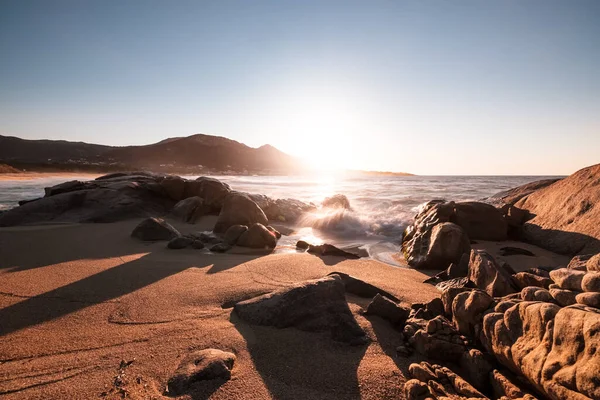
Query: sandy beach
x,y
26,176
76,300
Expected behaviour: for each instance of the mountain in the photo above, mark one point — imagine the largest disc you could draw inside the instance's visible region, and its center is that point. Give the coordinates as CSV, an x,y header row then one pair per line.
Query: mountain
x,y
192,154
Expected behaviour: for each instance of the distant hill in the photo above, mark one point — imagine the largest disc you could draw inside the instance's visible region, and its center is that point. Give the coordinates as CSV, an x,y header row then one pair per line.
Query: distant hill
x,y
193,154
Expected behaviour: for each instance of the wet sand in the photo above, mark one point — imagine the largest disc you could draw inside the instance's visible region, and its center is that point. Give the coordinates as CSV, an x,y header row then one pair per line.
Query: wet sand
x,y
75,300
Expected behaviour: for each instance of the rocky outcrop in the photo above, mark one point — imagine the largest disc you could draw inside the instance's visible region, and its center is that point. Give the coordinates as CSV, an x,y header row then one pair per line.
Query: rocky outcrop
x,y
282,210
317,305
432,381
189,210
361,288
490,276
511,196
212,191
389,310
233,233
201,365
565,214
239,209
442,230
257,236
153,229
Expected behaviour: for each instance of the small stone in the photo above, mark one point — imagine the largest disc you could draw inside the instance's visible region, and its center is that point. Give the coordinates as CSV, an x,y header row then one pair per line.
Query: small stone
x,y
197,244
205,364
220,248
180,243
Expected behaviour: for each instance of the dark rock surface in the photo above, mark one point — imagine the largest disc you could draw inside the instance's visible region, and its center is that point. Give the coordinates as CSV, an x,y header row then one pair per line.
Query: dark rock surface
x,y
153,229
239,209
257,236
385,308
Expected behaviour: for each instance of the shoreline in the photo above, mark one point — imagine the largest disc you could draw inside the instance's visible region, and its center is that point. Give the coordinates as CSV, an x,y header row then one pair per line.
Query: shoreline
x,y
27,176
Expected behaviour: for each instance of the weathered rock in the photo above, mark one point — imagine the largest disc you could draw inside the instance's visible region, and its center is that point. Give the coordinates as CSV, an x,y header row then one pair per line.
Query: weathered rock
x,y
233,233
569,279
361,288
513,195
174,187
337,201
525,279
448,296
212,191
274,232
591,299
153,229
180,242
534,293
446,244
455,283
593,263
554,348
488,275
316,305
504,388
477,368
326,249
189,210
207,237
257,237
544,273
591,282
566,214
302,245
201,365
564,297
239,209
459,269
441,383
385,308
480,221
468,309
579,262
220,248
65,187
282,210
514,217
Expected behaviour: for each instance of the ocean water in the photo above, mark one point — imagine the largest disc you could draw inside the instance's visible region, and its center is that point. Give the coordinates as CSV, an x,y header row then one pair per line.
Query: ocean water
x,y
382,206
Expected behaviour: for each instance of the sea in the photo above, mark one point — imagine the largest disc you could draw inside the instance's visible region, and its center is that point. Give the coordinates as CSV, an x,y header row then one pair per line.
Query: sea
x,y
382,206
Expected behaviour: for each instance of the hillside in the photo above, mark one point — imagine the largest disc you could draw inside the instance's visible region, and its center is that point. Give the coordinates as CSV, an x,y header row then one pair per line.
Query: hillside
x,y
193,154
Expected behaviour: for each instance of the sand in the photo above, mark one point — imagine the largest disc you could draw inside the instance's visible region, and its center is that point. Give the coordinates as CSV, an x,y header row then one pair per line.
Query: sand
x,y
76,300
25,176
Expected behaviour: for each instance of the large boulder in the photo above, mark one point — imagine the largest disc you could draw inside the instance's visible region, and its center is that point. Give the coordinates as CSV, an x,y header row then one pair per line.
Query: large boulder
x,y
239,209
490,276
189,210
446,244
511,196
316,305
257,236
212,191
468,308
106,200
282,210
389,310
174,187
233,233
153,229
480,221
566,214
554,348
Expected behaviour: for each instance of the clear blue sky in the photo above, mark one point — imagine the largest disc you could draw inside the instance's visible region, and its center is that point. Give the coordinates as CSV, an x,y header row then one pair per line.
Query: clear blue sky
x,y
430,87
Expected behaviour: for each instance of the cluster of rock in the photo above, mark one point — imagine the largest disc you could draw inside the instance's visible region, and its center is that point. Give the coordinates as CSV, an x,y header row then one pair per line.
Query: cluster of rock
x,y
504,337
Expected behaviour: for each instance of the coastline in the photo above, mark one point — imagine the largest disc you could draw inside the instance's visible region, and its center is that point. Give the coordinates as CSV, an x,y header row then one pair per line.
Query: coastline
x,y
26,176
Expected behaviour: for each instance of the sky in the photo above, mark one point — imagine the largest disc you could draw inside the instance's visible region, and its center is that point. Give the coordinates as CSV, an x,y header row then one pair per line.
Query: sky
x,y
429,87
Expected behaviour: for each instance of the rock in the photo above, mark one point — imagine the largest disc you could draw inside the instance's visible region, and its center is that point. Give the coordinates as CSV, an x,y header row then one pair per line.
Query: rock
x,y
174,187
591,282
566,214
512,196
468,309
460,269
534,293
326,249
480,221
591,299
438,347
337,201
180,242
488,275
455,283
316,306
189,210
94,201
564,297
152,229
515,251
197,244
233,233
554,348
446,244
274,232
526,279
477,368
448,296
503,387
302,245
207,237
65,187
282,210
593,263
239,209
257,237
385,308
539,272
220,248
514,217
441,383
201,365
569,279
212,191
579,262
361,288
